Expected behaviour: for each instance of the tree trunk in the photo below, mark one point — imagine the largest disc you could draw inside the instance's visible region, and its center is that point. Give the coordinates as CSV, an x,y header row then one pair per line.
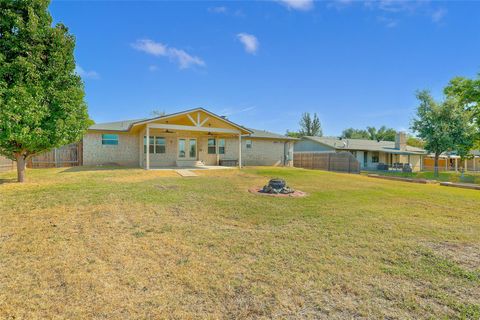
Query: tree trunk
x,y
21,164
435,165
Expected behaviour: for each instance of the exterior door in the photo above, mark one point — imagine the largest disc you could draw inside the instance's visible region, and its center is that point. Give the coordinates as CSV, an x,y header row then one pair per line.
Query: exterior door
x,y
187,149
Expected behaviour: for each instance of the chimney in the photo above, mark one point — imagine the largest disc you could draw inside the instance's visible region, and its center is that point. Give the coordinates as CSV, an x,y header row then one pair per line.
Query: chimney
x,y
401,141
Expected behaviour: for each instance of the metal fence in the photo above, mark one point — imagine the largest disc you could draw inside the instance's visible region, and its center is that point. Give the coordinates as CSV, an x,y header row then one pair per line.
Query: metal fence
x,y
329,161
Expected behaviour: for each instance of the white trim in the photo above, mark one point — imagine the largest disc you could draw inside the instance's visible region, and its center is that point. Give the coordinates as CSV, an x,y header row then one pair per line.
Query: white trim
x,y
240,150
203,122
187,112
191,128
147,153
198,119
191,119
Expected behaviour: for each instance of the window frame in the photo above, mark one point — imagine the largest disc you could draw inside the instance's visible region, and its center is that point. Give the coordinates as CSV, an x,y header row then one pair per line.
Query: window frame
x,y
154,146
248,143
214,146
112,140
375,156
221,146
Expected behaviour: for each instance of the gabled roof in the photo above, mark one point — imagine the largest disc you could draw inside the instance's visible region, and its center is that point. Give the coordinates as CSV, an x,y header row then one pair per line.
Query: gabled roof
x,y
268,135
126,125
364,144
115,126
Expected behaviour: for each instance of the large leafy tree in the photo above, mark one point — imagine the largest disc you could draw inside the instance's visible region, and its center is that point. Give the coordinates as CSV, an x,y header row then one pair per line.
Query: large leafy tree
x,y
467,93
308,126
371,133
443,126
41,98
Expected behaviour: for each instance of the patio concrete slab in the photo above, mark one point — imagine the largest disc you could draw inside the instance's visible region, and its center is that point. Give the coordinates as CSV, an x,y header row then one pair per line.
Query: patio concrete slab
x,y
186,173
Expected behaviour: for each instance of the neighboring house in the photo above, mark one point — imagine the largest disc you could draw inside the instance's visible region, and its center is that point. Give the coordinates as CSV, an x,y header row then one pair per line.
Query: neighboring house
x,y
370,153
450,161
189,138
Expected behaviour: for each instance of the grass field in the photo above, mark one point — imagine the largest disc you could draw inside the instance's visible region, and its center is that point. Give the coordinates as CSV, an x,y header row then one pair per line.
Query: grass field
x,y
127,243
468,177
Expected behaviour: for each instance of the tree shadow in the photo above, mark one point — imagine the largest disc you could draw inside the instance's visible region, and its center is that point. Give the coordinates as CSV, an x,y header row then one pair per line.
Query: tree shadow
x,y
10,180
96,168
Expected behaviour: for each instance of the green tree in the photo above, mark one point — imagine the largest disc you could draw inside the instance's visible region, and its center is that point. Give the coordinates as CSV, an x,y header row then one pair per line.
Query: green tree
x,y
352,133
443,126
309,126
467,93
293,134
415,142
371,133
41,98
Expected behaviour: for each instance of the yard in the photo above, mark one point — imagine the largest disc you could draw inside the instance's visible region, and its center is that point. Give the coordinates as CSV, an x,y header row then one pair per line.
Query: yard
x,y
451,176
127,243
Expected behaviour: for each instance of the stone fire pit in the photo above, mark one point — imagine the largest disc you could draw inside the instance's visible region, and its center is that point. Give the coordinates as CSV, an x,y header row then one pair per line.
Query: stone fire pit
x,y
277,188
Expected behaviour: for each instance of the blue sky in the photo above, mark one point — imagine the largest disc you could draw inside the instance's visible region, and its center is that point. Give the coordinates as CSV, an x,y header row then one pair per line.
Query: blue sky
x,y
263,63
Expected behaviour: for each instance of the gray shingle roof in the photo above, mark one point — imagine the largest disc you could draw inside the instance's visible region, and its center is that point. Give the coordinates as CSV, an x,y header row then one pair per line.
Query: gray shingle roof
x,y
268,135
125,126
363,144
114,126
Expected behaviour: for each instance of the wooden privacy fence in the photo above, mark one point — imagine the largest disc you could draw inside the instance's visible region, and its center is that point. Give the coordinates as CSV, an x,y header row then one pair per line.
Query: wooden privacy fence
x,y
329,161
66,156
6,164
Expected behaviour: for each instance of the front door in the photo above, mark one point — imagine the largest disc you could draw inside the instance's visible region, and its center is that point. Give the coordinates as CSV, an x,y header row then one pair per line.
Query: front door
x,y
187,149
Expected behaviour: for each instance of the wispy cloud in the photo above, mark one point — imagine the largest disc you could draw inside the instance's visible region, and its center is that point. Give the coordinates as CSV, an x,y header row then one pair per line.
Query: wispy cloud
x,y
249,41
388,22
92,74
219,9
153,68
391,12
231,111
301,5
439,14
182,58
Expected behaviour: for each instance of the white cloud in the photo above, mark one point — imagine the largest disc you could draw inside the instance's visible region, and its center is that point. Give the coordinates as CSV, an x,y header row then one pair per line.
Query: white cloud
x,y
301,5
150,47
221,9
439,14
249,41
182,58
153,68
92,74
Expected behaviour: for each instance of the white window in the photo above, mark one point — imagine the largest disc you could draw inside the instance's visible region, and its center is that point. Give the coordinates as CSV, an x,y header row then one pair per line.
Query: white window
x,y
248,144
221,146
156,144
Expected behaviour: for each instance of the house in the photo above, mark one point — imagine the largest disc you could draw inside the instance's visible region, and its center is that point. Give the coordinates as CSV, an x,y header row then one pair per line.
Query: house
x,y
370,153
451,161
188,138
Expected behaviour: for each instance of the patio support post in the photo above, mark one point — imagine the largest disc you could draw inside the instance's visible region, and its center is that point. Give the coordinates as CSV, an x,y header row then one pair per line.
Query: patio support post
x,y
474,169
147,154
456,164
447,160
466,165
240,150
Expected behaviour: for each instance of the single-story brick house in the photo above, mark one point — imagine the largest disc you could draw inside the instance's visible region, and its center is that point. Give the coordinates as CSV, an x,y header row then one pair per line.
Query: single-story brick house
x,y
189,138
371,154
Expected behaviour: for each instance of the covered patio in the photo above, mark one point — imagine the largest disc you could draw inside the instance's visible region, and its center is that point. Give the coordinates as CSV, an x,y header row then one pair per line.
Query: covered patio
x,y
193,139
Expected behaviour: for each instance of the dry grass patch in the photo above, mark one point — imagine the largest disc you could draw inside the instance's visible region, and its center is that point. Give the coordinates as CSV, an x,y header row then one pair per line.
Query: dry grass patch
x,y
128,243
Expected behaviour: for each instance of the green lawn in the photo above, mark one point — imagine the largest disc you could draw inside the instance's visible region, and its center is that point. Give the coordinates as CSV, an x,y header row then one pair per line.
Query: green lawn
x,y
132,244
468,177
